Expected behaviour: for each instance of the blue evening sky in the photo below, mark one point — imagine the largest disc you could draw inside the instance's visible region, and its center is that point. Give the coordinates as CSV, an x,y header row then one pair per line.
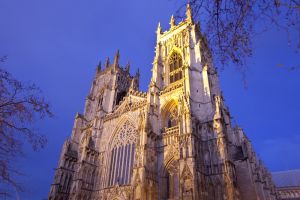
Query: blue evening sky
x,y
57,45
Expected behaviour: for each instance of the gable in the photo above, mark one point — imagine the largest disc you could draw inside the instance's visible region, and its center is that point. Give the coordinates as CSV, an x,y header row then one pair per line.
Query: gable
x,y
129,103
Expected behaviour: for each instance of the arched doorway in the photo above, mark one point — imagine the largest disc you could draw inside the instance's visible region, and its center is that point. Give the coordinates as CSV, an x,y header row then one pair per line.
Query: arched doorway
x,y
170,184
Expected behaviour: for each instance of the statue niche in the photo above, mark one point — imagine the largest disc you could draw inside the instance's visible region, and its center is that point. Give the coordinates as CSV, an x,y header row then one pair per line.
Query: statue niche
x,y
187,183
100,99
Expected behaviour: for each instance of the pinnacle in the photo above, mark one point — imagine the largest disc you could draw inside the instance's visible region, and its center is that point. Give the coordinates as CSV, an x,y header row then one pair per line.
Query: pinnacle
x,y
107,62
172,21
99,66
189,15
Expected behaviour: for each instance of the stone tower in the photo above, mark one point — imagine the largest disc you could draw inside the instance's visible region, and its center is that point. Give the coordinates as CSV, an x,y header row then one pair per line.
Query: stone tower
x,y
173,142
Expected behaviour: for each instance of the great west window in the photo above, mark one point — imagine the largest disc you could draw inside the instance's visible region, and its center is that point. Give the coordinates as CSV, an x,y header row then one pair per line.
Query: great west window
x,y
175,67
122,155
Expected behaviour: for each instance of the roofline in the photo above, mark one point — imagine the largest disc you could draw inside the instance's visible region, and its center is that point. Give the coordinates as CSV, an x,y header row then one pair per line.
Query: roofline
x,y
290,170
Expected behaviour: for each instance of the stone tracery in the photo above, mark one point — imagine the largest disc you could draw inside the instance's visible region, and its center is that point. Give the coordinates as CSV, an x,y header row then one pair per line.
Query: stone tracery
x,y
122,155
127,134
175,67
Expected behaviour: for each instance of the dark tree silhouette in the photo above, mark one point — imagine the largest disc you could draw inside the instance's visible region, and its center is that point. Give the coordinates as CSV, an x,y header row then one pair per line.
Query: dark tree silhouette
x,y
231,25
20,106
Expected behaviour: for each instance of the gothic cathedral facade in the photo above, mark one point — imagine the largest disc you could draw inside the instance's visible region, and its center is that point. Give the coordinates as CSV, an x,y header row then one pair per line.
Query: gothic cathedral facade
x,y
173,142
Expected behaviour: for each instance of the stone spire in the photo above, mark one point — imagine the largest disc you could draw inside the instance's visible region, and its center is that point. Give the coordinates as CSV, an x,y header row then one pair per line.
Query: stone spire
x,y
127,67
189,14
172,21
137,77
137,74
99,67
158,31
133,85
107,62
116,59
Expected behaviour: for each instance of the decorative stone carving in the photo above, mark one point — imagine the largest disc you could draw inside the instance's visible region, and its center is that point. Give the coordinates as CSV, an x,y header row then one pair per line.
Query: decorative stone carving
x,y
127,134
172,153
138,156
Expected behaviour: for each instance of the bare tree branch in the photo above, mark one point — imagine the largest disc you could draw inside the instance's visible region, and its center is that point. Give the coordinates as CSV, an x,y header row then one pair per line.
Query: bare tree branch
x,y
231,25
20,106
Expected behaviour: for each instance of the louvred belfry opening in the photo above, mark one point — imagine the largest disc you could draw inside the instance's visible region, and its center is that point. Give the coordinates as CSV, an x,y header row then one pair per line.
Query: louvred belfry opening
x,y
175,67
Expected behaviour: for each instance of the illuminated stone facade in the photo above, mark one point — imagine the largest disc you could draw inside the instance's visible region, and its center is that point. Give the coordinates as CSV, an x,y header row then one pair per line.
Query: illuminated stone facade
x,y
173,142
289,193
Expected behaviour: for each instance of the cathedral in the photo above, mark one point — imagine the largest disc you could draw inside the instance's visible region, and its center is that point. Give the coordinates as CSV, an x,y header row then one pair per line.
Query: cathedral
x,y
173,142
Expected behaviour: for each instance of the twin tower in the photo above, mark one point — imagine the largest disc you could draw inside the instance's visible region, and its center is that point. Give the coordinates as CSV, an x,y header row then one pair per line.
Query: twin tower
x,y
173,142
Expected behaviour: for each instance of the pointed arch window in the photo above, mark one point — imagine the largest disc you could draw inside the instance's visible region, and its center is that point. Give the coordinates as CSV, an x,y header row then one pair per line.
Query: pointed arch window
x,y
170,117
122,155
175,67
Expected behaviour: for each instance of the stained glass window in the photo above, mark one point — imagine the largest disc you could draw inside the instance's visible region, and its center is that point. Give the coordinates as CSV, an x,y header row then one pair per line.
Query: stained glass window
x,y
122,155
